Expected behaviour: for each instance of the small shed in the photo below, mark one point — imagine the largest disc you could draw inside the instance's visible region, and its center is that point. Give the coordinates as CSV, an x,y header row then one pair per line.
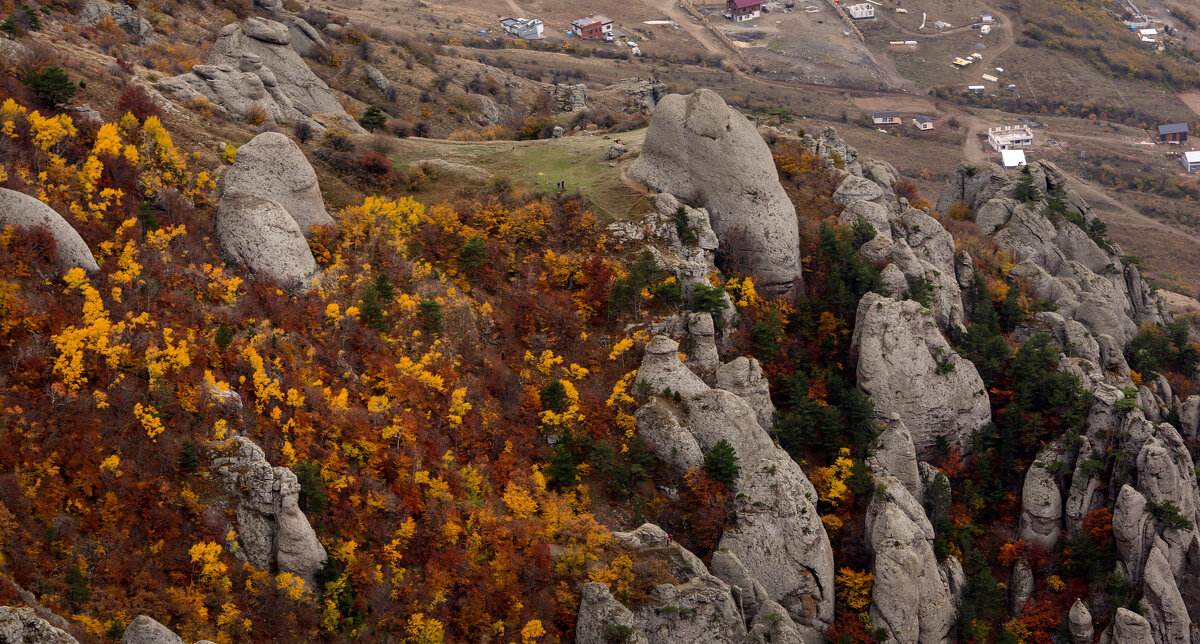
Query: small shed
x,y
987,19
886,117
1173,133
1191,161
1013,158
923,123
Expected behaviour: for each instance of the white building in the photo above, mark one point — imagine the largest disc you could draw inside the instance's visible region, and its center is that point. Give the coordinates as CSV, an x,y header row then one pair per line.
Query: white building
x,y
1009,137
1191,161
864,11
528,28
1013,158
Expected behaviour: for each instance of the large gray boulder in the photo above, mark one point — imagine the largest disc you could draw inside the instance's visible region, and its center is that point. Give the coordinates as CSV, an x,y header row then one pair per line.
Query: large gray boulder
x,y
744,377
709,155
146,630
252,65
304,37
20,210
272,531
908,369
262,235
1133,531
23,626
893,452
272,166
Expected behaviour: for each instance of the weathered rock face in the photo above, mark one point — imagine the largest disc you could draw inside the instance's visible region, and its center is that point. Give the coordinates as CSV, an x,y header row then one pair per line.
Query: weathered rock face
x,y
1133,531
701,607
272,166
377,79
1082,630
705,153
1127,628
95,11
146,630
1165,609
20,210
1166,474
274,534
779,542
744,376
23,626
262,235
909,370
601,614
893,452
252,65
304,37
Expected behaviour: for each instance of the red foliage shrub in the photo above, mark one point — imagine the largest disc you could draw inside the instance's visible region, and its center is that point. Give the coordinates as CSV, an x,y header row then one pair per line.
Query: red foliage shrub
x,y
377,164
136,100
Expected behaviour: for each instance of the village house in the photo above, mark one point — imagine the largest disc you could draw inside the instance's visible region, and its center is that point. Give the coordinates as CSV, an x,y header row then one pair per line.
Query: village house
x,y
1010,137
1175,133
739,10
594,27
923,123
527,28
886,117
864,11
1191,161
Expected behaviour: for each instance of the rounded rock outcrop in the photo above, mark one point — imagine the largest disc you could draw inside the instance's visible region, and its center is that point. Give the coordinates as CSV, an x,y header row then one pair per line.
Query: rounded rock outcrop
x,y
20,210
262,235
23,626
273,167
707,154
147,630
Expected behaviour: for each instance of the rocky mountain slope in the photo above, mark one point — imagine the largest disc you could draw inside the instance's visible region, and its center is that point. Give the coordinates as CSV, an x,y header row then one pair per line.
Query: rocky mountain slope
x,y
796,401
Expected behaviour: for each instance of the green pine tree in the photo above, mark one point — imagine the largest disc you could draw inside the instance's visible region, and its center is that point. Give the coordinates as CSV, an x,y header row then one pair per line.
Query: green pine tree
x,y
373,119
721,462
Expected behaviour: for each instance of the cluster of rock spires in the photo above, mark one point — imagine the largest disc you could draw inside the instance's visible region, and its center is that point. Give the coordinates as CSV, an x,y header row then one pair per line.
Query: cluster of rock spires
x,y
918,383
253,65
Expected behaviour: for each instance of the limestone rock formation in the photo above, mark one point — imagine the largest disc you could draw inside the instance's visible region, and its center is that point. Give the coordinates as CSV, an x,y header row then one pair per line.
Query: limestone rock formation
x,y
271,166
1062,255
778,541
893,452
23,626
146,630
854,189
273,533
708,155
253,66
125,17
908,369
20,210
912,599
1080,622
262,235
1133,531
1042,499
1020,586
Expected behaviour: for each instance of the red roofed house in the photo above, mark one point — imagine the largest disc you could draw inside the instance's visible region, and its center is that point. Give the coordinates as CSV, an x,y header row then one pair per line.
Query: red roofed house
x,y
739,10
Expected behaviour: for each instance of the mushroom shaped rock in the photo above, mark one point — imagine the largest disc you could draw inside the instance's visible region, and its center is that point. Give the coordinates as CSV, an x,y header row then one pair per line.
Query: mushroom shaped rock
x,y
20,210
262,235
273,167
1082,630
704,152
